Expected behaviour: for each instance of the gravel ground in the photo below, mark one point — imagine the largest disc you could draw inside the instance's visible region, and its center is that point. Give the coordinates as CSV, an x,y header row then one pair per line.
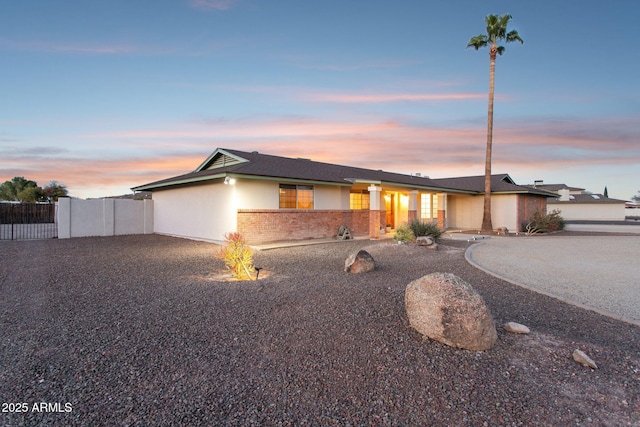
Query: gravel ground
x,y
601,273
144,331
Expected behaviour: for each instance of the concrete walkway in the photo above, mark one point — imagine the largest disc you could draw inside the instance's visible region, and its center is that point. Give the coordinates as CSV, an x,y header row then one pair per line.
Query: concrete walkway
x,y
600,273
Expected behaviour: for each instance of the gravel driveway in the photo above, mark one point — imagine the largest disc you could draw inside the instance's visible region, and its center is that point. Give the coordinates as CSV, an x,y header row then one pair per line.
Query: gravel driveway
x,y
597,272
144,331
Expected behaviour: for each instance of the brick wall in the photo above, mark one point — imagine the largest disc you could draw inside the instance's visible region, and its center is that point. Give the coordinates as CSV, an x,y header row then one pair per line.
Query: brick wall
x,y
264,225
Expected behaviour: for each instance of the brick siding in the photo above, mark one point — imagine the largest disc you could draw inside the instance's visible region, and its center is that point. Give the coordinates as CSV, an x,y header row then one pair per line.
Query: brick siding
x,y
264,225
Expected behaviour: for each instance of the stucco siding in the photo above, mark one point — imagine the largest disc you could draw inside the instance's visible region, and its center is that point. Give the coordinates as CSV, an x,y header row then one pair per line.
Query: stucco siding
x,y
204,212
464,212
589,211
504,211
255,194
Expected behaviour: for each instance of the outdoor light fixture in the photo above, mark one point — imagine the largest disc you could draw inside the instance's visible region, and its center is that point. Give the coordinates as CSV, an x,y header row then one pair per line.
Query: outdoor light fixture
x,y
229,180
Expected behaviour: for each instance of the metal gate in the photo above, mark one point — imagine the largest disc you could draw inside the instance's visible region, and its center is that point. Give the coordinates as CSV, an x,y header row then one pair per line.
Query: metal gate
x,y
20,221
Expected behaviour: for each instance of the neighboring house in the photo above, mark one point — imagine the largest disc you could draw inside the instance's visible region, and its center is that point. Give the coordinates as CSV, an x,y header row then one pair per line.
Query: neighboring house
x,y
632,211
575,204
270,198
512,205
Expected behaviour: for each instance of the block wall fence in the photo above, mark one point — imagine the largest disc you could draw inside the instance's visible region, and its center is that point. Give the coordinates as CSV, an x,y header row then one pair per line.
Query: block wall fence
x,y
103,217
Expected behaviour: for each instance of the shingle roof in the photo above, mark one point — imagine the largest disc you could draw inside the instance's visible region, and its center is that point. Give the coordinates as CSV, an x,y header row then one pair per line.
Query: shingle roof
x,y
500,183
586,198
553,187
229,162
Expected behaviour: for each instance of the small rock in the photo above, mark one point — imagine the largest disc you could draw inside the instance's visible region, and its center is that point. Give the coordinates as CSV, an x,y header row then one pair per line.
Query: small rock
x,y
516,328
580,357
425,241
360,262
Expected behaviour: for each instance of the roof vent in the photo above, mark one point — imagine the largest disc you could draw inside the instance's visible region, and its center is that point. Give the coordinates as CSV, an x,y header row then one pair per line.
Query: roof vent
x,y
537,182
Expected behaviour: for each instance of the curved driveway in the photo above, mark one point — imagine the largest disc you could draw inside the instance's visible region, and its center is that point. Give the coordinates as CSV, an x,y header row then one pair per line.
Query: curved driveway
x,y
601,273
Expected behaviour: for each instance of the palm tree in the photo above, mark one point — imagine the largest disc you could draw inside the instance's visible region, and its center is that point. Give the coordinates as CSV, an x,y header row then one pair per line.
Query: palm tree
x,y
496,32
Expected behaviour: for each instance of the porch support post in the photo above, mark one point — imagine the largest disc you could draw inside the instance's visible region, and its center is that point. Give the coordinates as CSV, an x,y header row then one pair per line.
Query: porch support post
x,y
413,205
442,211
375,195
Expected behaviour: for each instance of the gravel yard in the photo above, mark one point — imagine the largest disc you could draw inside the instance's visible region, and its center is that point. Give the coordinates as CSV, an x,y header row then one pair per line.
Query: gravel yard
x,y
145,331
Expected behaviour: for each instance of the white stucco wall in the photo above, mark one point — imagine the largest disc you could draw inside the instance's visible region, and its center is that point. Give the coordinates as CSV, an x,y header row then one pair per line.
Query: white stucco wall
x,y
589,211
465,212
208,211
256,194
204,212
331,198
504,211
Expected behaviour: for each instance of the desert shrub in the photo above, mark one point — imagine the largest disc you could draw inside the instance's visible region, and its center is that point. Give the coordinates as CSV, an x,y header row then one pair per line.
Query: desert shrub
x,y
543,222
403,234
237,256
424,228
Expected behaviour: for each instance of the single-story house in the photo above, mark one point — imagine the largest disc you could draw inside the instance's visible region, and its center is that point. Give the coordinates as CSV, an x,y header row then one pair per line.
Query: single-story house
x,y
576,204
270,198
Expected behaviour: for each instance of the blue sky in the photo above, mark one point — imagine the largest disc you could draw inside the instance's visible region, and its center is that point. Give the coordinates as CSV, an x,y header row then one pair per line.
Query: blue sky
x,y
106,95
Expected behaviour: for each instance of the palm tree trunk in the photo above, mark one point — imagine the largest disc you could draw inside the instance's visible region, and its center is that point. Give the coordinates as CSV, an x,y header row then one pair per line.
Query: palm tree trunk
x,y
486,214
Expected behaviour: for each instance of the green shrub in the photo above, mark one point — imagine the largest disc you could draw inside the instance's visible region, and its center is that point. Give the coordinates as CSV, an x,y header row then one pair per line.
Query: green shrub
x,y
423,228
237,256
404,234
543,222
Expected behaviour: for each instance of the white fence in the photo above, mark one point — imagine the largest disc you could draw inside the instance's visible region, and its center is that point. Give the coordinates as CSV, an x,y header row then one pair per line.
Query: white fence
x,y
103,217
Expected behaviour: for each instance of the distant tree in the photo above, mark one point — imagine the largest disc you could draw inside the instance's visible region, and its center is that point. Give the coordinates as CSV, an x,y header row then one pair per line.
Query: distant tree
x,y
636,198
20,189
55,190
11,190
496,32
31,195
606,192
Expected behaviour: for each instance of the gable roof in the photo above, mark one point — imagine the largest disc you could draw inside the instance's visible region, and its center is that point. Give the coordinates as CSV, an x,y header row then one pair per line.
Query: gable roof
x,y
241,164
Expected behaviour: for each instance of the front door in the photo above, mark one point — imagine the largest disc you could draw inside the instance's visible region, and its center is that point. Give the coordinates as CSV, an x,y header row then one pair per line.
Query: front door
x,y
390,207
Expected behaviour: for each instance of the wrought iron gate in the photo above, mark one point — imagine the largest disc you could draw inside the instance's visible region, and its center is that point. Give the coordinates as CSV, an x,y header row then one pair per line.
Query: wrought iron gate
x,y
19,221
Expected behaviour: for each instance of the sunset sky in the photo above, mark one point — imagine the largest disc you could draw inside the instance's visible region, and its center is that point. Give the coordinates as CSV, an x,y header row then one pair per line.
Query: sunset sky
x,y
102,96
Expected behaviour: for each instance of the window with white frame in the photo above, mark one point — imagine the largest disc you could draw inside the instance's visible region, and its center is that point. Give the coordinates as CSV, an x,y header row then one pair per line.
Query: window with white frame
x,y
428,206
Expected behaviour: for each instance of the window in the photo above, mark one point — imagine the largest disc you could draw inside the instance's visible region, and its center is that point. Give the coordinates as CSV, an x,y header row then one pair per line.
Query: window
x,y
296,196
428,206
359,201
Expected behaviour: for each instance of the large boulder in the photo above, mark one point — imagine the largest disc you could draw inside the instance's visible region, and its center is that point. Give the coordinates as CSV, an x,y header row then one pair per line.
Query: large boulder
x,y
359,262
445,308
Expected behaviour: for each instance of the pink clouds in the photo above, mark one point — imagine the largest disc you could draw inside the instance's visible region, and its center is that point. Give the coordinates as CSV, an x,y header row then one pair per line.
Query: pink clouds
x,y
398,146
392,97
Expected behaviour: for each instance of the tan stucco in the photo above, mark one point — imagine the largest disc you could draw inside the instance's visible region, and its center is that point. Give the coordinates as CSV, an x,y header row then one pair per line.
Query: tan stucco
x,y
589,211
465,212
